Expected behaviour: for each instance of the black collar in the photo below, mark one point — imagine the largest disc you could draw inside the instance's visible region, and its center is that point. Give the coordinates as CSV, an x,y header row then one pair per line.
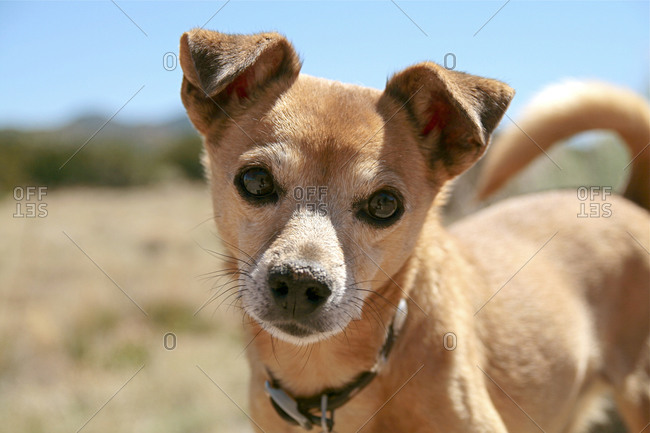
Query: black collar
x,y
300,410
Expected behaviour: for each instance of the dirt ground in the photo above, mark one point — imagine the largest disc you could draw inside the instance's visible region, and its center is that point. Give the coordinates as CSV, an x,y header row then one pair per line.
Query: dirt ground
x,y
76,354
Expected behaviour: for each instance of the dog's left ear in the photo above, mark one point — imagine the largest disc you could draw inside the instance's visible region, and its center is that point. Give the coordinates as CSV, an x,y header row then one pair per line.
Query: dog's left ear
x,y
453,113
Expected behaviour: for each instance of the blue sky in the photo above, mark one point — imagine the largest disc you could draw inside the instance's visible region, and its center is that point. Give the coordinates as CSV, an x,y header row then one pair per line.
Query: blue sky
x,y
61,60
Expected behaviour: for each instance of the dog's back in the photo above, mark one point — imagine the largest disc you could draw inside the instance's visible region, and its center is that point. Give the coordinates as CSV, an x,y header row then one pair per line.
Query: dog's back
x,y
569,272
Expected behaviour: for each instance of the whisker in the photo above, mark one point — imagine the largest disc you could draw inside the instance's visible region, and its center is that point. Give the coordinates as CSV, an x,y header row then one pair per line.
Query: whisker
x,y
252,260
220,293
250,342
374,313
311,349
235,293
378,294
222,256
273,350
221,272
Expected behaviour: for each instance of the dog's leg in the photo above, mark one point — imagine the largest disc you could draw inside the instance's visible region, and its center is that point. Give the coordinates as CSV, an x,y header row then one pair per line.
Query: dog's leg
x,y
626,361
478,414
633,395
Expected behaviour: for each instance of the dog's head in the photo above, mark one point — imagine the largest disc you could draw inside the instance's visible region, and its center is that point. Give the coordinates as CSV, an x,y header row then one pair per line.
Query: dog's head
x,y
322,188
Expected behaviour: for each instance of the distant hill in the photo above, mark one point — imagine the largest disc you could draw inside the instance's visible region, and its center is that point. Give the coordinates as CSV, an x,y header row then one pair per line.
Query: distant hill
x,y
112,154
82,128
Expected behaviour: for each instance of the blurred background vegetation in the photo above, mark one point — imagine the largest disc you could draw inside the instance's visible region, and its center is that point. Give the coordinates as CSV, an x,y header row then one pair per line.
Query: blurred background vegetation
x,y
118,155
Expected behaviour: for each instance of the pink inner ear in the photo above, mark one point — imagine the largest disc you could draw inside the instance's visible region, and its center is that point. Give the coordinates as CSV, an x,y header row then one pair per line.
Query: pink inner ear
x,y
240,86
439,113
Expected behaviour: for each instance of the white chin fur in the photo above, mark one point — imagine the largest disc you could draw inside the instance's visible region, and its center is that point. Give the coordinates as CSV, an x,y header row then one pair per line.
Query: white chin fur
x,y
298,341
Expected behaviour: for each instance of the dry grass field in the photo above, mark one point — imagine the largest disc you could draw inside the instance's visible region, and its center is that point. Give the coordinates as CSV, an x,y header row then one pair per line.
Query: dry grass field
x,y
70,339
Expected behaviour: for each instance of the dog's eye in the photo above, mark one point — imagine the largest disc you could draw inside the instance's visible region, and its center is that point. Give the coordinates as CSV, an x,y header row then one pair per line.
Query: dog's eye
x,y
257,182
381,209
382,205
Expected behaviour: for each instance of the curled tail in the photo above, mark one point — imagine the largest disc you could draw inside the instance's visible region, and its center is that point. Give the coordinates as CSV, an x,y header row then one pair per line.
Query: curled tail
x,y
563,110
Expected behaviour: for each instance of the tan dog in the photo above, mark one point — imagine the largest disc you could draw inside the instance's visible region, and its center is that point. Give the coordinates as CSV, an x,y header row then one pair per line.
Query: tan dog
x,y
327,195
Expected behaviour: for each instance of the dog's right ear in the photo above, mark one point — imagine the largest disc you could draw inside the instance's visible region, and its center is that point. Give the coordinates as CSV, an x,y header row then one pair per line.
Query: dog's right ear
x,y
225,73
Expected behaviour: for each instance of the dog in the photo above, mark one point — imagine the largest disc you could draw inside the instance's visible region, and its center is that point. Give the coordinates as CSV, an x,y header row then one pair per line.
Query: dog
x,y
365,313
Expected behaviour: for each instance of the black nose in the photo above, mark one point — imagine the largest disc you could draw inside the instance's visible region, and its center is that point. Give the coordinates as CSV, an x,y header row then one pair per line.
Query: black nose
x,y
298,291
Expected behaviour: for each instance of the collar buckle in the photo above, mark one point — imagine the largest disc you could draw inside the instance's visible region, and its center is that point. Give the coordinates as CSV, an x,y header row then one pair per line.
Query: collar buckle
x,y
288,405
289,409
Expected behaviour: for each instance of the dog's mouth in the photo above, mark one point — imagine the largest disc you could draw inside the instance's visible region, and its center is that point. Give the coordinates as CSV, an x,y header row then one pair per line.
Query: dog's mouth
x,y
301,330
294,329
296,332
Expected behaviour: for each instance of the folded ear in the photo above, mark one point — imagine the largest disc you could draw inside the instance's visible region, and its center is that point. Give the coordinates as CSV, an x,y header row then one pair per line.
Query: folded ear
x,y
224,73
453,113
